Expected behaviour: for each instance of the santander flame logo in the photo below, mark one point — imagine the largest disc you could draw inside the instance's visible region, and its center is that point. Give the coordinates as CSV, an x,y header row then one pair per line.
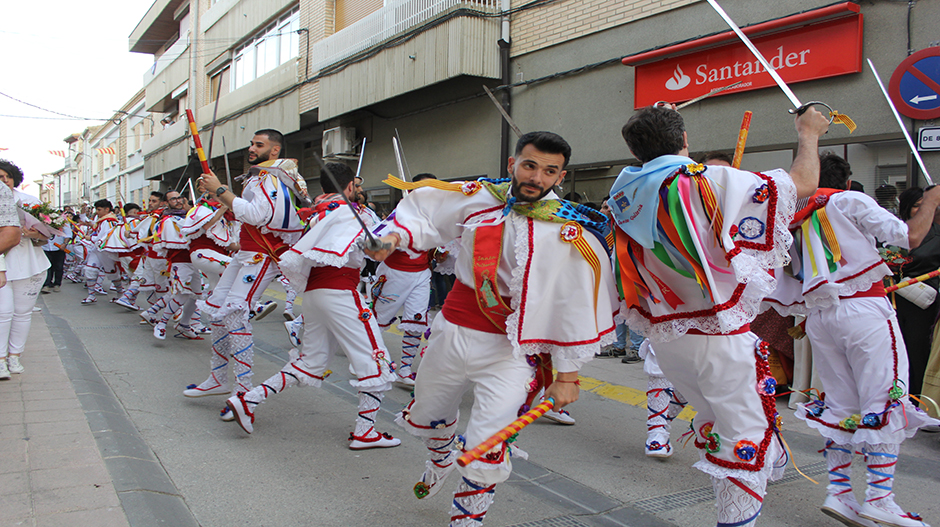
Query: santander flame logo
x,y
678,80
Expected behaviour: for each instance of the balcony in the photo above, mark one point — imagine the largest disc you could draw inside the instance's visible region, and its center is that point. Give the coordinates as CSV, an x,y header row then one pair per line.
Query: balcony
x,y
396,17
169,72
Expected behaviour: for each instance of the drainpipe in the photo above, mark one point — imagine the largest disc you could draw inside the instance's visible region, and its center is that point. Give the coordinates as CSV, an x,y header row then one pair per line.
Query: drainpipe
x,y
504,130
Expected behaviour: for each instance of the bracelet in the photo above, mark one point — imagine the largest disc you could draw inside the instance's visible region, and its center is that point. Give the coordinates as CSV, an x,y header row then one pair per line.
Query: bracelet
x,y
576,382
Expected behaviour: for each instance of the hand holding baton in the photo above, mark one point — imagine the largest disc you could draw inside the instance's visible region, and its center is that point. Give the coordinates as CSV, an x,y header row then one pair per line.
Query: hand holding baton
x,y
912,281
523,421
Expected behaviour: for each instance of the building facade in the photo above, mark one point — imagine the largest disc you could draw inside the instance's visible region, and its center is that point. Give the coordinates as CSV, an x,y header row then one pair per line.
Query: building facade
x,y
340,78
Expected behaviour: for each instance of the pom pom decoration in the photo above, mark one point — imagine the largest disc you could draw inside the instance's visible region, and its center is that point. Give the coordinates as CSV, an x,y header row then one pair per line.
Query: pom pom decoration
x,y
871,420
745,450
767,386
712,443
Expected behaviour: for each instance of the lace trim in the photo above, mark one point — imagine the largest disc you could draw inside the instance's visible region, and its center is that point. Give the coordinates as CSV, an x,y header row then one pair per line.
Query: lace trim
x,y
826,294
768,471
413,327
289,237
226,309
750,265
381,383
523,242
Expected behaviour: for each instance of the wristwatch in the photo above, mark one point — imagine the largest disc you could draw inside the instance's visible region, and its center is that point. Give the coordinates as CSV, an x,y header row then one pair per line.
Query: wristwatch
x,y
221,190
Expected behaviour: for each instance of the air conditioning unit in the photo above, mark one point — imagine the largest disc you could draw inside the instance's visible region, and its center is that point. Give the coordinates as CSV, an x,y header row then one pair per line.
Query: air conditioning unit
x,y
339,140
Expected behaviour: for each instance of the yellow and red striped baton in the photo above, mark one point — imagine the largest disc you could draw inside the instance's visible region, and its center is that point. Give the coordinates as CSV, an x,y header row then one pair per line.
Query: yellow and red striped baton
x,y
199,151
911,281
523,421
742,140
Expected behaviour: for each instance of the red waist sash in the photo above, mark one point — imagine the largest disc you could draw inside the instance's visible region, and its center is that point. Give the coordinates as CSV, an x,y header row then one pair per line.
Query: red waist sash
x,y
251,239
344,278
877,289
400,261
461,308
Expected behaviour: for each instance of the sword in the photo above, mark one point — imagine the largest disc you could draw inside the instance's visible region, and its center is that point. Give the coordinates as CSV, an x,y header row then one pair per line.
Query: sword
x,y
362,154
502,111
799,108
707,95
372,243
901,123
228,174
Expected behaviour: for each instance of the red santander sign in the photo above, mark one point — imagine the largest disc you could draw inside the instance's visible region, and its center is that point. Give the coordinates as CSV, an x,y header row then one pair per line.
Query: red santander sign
x,y
813,45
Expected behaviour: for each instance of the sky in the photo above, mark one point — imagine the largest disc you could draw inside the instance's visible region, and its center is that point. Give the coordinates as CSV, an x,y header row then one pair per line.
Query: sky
x,y
66,56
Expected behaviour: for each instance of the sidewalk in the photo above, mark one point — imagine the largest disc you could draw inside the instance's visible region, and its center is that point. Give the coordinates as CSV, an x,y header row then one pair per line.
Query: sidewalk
x,y
51,471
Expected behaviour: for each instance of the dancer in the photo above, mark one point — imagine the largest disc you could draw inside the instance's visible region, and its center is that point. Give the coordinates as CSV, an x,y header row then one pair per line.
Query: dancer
x,y
270,225
694,246
835,279
403,284
326,263
100,263
533,292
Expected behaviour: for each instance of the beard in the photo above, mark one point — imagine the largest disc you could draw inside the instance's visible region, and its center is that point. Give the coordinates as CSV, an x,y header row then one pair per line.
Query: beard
x,y
515,189
259,158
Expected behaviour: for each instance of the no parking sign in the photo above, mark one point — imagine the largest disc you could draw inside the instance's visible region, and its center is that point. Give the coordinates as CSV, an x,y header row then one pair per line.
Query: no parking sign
x,y
915,85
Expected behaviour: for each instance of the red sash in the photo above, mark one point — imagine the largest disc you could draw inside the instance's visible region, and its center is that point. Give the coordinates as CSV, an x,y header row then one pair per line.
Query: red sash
x,y
253,240
400,261
876,290
487,249
343,278
461,308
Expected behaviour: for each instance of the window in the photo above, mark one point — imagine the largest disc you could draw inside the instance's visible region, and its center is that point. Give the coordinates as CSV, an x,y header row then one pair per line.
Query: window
x,y
268,49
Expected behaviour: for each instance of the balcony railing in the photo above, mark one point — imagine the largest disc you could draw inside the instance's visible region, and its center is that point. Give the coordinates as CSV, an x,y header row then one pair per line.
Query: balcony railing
x,y
396,17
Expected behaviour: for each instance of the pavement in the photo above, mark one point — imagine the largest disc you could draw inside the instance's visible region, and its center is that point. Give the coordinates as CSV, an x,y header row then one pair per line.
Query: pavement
x,y
97,432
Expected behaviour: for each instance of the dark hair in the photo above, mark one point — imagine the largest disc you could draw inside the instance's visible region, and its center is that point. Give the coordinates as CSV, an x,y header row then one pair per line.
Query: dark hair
x,y
104,204
273,135
856,186
131,206
834,172
547,142
720,156
159,195
653,132
13,171
907,200
423,176
885,192
343,174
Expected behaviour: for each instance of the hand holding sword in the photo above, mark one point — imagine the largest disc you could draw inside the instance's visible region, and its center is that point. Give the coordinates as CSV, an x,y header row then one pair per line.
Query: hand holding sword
x,y
800,108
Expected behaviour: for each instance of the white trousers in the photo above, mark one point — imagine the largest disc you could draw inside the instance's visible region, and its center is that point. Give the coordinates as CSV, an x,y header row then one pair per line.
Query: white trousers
x,y
401,291
859,353
17,299
458,359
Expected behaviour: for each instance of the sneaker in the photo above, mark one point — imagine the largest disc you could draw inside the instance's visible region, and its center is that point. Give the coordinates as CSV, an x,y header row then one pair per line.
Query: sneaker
x,y
845,510
631,356
227,414
177,315
4,370
434,475
209,387
288,314
658,446
239,408
56,289
262,310
99,291
46,290
200,329
886,512
90,299
610,352
159,330
13,362
293,334
147,318
561,417
382,440
124,302
187,332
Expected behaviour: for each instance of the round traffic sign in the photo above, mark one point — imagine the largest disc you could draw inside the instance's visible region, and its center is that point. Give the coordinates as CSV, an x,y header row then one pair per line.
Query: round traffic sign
x,y
915,85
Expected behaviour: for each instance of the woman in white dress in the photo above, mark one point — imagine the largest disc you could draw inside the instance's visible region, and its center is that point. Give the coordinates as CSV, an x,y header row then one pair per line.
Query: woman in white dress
x,y
26,270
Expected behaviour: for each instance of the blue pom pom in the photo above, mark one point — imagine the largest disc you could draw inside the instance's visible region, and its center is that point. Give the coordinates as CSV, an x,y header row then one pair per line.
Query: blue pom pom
x,y
871,420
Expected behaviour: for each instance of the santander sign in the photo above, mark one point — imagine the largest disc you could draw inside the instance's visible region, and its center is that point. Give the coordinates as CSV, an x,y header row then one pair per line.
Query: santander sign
x,y
806,50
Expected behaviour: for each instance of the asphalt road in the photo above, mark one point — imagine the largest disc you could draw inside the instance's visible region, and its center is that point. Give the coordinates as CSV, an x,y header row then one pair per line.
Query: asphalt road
x,y
296,469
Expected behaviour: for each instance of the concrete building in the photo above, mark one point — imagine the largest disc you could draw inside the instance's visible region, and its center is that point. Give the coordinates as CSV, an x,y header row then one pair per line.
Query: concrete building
x,y
337,75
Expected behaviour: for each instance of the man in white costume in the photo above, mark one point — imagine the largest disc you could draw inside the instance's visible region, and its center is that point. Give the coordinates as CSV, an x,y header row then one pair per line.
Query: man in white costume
x,y
99,262
403,284
269,226
533,292
694,246
835,279
325,263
